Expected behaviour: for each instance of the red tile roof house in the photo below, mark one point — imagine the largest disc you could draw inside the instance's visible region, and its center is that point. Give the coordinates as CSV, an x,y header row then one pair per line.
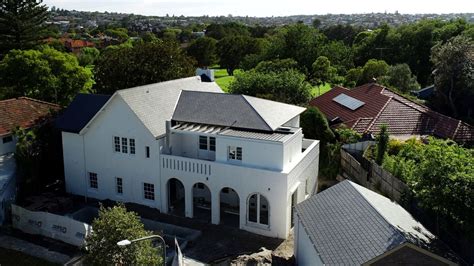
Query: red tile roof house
x,y
367,107
20,112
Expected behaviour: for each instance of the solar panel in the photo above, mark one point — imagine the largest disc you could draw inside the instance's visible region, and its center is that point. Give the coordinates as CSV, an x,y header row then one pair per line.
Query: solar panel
x,y
348,101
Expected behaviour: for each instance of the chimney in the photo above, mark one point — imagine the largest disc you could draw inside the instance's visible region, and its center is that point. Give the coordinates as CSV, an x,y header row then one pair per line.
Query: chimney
x,y
207,75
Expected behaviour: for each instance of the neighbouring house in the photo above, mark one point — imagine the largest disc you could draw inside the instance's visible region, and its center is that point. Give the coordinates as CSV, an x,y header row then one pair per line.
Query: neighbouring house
x,y
348,224
367,107
188,149
20,112
424,93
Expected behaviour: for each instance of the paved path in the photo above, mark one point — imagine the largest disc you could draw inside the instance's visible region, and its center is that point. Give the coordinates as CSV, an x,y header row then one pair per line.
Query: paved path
x,y
23,246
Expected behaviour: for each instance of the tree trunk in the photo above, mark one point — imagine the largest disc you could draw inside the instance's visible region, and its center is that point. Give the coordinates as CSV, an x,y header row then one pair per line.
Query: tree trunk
x,y
452,105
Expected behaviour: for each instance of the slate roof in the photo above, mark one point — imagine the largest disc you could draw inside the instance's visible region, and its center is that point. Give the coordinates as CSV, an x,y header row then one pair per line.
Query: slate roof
x,y
23,112
232,110
81,110
349,224
155,103
383,106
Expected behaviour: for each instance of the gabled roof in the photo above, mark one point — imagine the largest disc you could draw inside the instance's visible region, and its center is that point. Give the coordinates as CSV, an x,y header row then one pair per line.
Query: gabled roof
x,y
383,106
81,110
155,103
349,224
23,112
232,110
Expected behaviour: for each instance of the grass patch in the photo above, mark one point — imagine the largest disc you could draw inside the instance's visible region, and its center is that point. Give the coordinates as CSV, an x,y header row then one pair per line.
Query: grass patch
x,y
318,91
223,79
12,257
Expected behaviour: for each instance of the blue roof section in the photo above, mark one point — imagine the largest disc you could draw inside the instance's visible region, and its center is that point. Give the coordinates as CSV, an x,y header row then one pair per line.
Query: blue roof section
x,y
81,110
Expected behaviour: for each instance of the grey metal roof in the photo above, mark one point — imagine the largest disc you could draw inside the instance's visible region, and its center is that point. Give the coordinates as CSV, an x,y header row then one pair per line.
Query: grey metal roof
x,y
280,137
81,110
349,224
237,111
155,103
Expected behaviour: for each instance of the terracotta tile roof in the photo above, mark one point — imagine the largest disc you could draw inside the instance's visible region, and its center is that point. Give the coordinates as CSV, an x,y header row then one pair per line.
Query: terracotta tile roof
x,y
383,106
23,112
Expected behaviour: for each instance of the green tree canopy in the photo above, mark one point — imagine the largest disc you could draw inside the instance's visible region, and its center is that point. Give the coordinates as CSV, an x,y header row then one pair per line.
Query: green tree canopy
x,y
323,72
315,126
400,77
145,63
204,51
21,24
113,225
286,86
277,65
233,49
44,74
88,56
454,77
373,69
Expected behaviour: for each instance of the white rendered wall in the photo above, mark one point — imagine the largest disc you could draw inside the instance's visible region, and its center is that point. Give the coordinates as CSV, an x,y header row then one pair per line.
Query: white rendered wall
x,y
304,250
292,148
73,156
134,169
295,122
255,153
7,147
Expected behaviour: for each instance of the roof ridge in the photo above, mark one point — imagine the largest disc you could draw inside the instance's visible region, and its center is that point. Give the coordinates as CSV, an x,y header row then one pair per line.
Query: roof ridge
x,y
380,112
377,211
253,108
159,82
39,101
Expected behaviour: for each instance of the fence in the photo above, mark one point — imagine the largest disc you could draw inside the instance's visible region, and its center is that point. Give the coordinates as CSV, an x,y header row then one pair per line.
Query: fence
x,y
371,175
50,225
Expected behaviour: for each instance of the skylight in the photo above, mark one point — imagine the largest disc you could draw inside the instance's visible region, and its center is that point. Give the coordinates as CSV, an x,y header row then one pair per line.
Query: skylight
x,y
348,101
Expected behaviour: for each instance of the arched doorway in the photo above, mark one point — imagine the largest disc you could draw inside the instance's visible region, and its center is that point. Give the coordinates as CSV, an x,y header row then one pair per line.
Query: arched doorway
x,y
258,209
176,197
229,207
201,202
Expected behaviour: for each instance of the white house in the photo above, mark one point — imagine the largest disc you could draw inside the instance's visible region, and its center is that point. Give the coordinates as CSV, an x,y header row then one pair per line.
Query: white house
x,y
188,149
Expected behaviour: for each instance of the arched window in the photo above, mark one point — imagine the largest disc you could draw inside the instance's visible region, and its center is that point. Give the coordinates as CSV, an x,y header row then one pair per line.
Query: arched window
x,y
258,209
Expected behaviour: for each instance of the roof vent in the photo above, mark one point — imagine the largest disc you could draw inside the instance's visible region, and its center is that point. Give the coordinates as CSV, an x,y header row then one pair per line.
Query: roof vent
x,y
348,101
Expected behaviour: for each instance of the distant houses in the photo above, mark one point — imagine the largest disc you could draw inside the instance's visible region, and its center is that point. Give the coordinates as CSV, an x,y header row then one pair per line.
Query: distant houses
x,y
365,108
348,224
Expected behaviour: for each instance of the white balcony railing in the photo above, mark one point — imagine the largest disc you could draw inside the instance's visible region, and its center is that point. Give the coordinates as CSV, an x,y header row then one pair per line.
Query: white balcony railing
x,y
189,165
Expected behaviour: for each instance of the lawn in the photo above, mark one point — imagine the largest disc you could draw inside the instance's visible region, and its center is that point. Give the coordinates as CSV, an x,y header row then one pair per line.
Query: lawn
x,y
223,80
315,92
11,257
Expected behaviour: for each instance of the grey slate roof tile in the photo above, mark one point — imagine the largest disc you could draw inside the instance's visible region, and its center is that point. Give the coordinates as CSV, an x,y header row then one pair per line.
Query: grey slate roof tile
x,y
349,224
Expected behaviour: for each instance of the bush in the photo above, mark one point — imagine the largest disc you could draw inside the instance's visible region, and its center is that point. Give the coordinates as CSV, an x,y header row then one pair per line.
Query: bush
x,y
382,143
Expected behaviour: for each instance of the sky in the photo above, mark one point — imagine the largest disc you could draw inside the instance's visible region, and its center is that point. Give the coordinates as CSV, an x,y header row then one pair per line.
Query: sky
x,y
264,8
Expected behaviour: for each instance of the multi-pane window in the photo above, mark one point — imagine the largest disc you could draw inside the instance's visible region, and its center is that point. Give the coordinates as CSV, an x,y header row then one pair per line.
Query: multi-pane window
x,y
119,185
202,142
212,144
124,145
235,153
93,183
149,191
132,146
117,144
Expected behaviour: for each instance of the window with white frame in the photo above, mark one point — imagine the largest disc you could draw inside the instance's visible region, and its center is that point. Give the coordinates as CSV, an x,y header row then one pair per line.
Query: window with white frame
x,y
93,182
117,144
132,146
149,191
258,209
119,185
124,145
234,153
